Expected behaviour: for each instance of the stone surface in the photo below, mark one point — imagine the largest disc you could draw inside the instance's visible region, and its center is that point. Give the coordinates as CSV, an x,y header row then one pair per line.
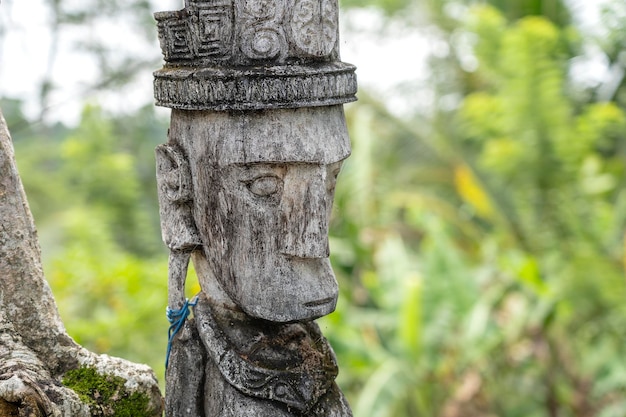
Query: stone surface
x,y
35,350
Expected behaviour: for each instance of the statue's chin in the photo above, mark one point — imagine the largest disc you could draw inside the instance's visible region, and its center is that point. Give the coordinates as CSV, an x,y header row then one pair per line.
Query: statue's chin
x,y
289,312
300,289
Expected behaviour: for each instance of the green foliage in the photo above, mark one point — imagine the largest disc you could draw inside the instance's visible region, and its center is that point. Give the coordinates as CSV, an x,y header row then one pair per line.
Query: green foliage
x,y
484,254
112,301
106,395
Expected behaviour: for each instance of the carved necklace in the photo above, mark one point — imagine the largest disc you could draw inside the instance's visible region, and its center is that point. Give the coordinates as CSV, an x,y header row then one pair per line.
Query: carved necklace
x,y
290,363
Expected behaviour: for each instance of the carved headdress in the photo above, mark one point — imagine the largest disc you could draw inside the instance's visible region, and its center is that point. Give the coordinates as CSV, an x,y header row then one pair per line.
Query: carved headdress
x,y
252,54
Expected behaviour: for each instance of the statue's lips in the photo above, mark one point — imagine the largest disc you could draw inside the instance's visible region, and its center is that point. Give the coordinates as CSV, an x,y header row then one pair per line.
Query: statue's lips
x,y
321,302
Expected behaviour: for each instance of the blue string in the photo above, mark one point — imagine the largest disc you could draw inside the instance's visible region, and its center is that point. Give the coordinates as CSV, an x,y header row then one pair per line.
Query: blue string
x,y
177,319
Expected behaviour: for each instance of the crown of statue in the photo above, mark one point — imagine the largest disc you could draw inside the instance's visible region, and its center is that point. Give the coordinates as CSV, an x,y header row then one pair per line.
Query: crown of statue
x,y
252,54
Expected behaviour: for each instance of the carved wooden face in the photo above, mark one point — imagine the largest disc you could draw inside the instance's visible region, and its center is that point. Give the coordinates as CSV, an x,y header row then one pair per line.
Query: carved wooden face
x,y
262,204
275,221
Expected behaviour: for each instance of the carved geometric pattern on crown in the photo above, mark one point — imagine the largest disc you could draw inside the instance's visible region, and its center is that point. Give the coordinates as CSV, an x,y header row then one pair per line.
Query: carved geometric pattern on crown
x,y
203,29
262,35
252,54
215,29
241,32
175,38
314,26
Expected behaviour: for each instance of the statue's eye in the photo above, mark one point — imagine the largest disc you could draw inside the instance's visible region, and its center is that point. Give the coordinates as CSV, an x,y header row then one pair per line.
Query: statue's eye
x,y
264,186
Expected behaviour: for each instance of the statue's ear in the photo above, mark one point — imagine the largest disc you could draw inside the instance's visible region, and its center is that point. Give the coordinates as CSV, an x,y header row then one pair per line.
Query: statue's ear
x,y
173,174
175,192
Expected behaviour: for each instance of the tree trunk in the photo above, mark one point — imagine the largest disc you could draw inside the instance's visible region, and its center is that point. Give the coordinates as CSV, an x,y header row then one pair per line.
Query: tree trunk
x,y
43,371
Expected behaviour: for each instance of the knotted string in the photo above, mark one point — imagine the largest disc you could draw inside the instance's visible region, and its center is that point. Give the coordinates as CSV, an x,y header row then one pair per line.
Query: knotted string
x,y
177,319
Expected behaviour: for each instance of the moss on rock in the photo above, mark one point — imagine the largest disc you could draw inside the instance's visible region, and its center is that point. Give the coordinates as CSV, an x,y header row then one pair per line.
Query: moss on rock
x,y
106,395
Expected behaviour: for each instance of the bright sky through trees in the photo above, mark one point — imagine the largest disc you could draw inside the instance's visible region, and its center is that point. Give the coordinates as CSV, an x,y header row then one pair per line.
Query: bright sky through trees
x,y
25,57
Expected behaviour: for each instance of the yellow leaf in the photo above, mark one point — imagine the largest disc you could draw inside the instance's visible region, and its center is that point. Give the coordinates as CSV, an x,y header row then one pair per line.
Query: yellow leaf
x,y
471,191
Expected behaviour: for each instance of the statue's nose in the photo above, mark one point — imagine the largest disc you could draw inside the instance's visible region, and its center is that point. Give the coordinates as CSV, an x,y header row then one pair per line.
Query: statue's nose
x,y
305,209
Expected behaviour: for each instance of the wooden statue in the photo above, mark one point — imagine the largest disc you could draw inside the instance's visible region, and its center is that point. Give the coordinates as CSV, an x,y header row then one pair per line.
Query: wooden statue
x,y
246,183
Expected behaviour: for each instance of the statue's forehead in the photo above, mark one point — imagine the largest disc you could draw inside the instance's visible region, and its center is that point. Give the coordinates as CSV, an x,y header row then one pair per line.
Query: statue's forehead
x,y
275,136
286,145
